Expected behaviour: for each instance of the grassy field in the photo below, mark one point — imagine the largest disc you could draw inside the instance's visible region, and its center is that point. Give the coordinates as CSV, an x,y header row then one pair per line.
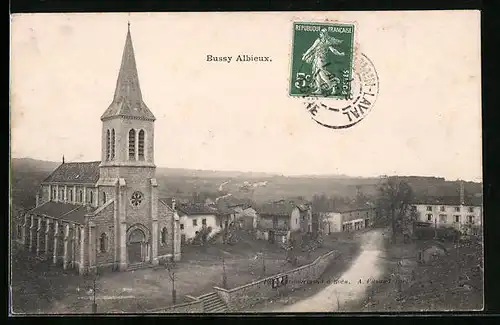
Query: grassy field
x,y
451,283
39,287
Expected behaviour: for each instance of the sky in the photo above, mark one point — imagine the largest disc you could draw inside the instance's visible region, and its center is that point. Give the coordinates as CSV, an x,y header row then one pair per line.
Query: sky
x,y
238,116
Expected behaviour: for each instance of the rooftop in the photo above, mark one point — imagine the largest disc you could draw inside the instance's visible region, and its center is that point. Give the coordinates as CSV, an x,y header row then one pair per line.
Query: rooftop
x,y
65,211
279,208
449,200
195,209
75,172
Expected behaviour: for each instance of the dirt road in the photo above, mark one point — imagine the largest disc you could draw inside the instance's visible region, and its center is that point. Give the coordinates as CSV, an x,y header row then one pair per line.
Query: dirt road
x,y
352,284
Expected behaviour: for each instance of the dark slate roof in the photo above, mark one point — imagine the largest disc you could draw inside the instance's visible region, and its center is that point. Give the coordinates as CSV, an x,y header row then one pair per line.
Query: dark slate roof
x,y
75,172
449,200
65,211
195,209
347,210
280,208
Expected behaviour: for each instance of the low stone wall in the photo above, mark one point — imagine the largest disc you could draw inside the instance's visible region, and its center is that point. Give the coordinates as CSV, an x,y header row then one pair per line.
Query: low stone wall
x,y
192,306
249,294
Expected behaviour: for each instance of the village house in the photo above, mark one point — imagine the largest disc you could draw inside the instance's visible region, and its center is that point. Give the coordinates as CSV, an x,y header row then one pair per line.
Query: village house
x,y
449,212
195,217
107,213
348,219
277,220
245,215
461,212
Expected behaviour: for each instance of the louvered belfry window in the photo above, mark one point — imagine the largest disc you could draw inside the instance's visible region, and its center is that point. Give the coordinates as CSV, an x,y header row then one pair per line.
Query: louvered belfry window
x,y
141,145
112,144
131,144
107,145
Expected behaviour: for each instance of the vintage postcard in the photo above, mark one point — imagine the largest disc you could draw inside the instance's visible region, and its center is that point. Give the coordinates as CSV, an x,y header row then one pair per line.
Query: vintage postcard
x,y
249,162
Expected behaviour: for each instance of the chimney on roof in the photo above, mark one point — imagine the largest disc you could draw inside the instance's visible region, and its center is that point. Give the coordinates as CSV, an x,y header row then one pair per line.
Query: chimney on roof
x,y
462,193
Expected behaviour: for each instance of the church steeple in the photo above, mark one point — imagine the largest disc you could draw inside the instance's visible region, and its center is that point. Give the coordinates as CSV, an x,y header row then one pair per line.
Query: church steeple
x,y
127,101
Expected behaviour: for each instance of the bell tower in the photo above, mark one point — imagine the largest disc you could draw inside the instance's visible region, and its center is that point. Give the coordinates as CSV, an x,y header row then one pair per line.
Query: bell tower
x,y
127,169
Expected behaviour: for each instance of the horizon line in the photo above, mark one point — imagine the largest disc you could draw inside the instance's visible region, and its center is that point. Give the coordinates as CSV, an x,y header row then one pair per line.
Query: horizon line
x,y
292,175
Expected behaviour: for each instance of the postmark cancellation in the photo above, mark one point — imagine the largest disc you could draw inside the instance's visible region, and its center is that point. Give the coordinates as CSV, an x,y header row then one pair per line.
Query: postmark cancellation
x,y
336,82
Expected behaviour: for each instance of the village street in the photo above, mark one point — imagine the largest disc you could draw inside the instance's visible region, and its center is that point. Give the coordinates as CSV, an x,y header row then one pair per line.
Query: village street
x,y
350,286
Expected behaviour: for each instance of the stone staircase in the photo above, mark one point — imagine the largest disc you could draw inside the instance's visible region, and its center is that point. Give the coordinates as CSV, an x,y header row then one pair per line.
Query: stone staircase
x,y
213,304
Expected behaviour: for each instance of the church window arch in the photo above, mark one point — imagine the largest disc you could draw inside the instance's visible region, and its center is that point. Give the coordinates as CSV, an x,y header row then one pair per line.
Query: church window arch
x,y
141,145
113,144
61,194
91,197
19,231
164,236
80,199
131,144
70,195
103,243
108,140
103,197
53,194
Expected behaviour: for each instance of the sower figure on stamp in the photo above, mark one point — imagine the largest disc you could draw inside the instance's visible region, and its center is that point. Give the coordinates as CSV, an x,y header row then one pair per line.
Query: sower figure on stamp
x,y
316,55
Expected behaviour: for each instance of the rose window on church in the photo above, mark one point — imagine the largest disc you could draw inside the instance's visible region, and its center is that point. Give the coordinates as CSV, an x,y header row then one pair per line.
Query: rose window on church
x,y
136,199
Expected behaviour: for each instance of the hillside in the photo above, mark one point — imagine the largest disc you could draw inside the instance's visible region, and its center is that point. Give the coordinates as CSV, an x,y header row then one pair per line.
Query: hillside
x,y
259,187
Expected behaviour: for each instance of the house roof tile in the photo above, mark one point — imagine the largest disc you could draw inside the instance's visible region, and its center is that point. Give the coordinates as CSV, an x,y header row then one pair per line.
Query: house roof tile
x,y
449,200
280,208
75,172
65,211
195,209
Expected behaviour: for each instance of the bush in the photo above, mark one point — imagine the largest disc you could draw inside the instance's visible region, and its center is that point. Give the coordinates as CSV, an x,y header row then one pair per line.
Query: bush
x,y
447,234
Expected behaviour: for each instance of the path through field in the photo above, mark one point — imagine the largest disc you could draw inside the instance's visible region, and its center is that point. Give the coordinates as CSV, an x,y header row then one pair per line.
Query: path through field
x,y
352,284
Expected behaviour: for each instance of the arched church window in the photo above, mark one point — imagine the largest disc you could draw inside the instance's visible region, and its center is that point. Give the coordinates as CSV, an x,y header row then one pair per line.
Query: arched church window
x,y
103,243
164,236
103,197
70,195
108,140
61,194
112,144
91,199
141,145
131,144
53,194
81,196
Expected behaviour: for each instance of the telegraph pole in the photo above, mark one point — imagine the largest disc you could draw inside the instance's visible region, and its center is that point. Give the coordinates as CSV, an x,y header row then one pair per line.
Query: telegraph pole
x,y
171,273
224,276
435,228
94,304
263,265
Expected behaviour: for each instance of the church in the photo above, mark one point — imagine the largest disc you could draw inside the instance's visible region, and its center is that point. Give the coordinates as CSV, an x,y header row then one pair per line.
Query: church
x,y
107,213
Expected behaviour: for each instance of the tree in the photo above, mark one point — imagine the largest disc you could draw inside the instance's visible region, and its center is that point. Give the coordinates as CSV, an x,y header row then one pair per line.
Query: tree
x,y
394,202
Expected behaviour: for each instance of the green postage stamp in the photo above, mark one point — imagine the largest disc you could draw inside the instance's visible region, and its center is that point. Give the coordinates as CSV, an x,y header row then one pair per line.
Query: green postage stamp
x,y
322,60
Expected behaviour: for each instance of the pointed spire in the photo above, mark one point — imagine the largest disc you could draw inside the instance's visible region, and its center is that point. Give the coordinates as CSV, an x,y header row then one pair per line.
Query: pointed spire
x,y
127,100
63,159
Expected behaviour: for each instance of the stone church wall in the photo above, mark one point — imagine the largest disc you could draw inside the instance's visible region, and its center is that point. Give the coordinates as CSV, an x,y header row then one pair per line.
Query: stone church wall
x,y
165,219
104,222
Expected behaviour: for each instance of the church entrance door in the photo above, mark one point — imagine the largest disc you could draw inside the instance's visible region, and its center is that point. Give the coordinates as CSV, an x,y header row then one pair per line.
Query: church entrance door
x,y
136,247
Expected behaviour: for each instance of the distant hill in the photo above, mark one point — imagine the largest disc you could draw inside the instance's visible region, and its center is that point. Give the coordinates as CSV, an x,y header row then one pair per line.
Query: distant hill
x,y
259,187
28,164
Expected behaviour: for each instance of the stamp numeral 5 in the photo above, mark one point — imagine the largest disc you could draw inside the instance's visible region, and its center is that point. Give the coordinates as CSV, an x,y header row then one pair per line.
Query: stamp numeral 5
x,y
302,80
